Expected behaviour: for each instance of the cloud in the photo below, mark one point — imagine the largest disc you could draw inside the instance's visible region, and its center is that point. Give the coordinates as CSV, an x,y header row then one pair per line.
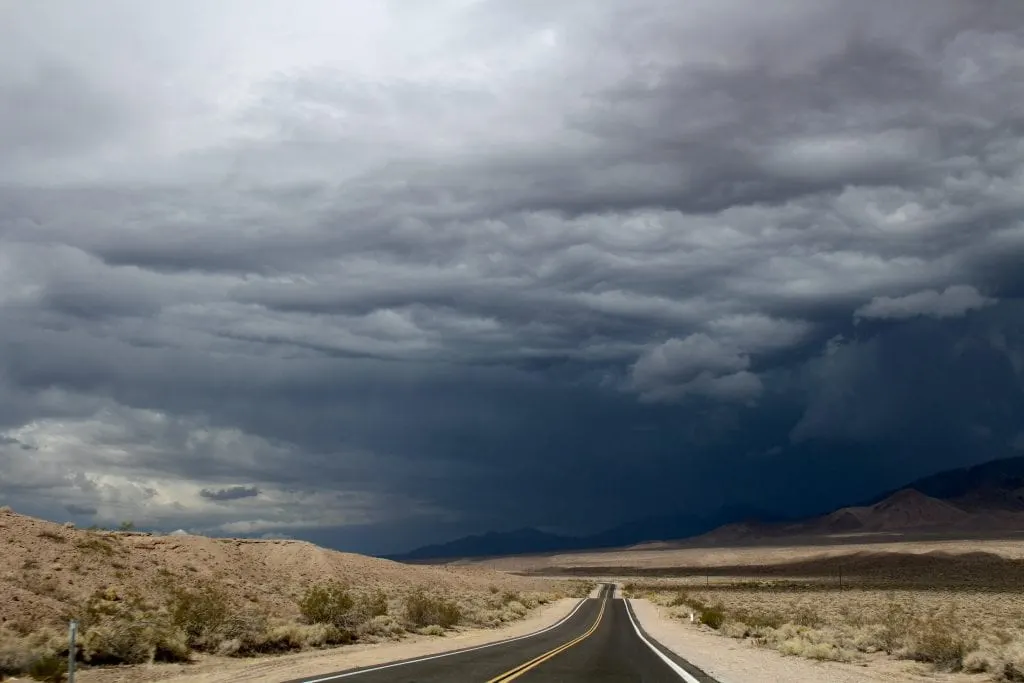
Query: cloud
x,y
389,269
75,509
230,493
694,365
952,302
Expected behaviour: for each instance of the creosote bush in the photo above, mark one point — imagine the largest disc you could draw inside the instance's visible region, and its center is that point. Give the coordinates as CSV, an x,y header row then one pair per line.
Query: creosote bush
x,y
124,628
329,603
939,640
200,613
48,668
373,604
422,609
897,622
713,617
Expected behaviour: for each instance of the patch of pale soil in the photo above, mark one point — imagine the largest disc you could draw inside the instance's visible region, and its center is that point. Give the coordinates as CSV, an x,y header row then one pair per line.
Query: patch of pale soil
x,y
735,661
310,664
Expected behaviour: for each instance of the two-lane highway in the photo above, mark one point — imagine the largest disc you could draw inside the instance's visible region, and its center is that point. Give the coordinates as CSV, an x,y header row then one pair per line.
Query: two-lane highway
x,y
599,641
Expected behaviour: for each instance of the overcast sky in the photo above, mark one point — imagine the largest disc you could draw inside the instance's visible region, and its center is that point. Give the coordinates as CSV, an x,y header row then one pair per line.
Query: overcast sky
x,y
380,273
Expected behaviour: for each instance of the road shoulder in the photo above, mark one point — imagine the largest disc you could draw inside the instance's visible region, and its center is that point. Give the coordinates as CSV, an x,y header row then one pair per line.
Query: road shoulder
x,y
734,661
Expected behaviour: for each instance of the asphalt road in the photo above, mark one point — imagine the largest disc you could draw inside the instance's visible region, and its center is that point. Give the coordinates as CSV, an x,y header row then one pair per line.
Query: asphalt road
x,y
600,642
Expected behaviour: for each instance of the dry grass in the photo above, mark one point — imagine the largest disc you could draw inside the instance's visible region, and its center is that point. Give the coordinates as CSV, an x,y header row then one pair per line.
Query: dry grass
x,y
972,630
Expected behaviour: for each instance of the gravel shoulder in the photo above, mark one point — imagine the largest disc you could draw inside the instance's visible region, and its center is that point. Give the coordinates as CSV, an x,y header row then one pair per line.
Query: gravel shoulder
x,y
734,661
274,669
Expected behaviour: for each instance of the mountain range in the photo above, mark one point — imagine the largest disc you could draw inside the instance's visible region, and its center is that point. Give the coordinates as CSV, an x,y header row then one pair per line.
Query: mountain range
x,y
970,500
986,497
530,541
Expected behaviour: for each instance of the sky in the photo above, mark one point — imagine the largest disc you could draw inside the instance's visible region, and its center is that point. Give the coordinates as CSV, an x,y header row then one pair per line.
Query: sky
x,y
382,273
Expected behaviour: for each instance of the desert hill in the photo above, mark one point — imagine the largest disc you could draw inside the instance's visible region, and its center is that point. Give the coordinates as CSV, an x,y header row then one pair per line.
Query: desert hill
x,y
231,596
48,568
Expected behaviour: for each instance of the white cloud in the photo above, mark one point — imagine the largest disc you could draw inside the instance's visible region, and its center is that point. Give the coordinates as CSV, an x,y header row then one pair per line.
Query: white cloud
x,y
696,365
155,469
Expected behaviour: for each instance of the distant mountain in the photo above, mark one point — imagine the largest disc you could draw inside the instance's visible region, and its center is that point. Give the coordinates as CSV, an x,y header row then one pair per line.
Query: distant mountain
x,y
647,529
984,497
994,485
533,541
493,543
904,511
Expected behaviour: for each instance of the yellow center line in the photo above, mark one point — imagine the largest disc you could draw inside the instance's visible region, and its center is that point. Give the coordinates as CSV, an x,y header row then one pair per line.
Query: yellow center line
x,y
518,671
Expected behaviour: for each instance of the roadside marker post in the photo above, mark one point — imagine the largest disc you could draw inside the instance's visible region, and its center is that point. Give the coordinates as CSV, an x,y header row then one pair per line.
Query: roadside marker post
x,y
72,649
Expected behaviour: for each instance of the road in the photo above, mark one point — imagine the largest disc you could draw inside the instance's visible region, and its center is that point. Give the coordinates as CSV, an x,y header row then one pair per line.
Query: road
x,y
600,642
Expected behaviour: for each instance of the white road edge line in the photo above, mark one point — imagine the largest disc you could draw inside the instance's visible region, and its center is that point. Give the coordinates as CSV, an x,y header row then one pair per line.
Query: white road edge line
x,y
452,653
683,673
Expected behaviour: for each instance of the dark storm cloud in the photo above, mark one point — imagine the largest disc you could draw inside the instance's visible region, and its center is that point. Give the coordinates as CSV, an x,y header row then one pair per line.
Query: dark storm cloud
x,y
230,493
950,303
541,270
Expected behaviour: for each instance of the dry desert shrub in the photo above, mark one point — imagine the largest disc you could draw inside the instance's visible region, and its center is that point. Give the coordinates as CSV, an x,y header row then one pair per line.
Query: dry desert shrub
x,y
847,625
501,607
373,604
329,603
423,609
382,626
1010,663
713,616
54,536
16,655
49,668
939,639
124,628
212,622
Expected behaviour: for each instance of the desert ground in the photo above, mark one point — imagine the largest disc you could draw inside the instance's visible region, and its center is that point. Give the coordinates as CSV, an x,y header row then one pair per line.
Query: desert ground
x,y
142,598
851,609
884,606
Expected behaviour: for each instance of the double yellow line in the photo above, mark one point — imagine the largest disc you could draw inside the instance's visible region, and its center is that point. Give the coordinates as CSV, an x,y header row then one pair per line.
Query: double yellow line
x,y
515,673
